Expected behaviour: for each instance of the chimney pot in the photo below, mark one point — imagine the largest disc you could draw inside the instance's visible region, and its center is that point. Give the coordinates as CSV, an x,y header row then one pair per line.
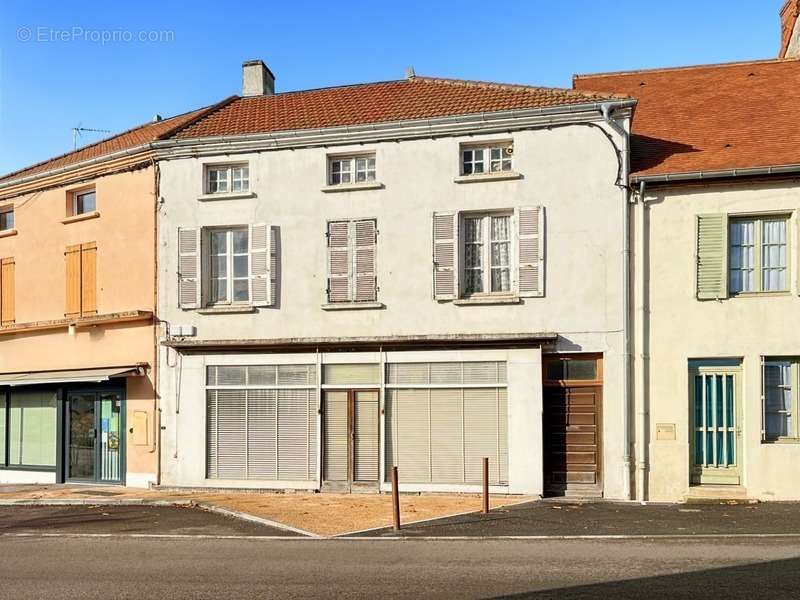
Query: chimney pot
x,y
257,79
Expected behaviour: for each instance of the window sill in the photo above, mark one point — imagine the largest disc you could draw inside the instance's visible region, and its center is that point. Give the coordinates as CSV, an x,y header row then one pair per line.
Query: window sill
x,y
353,187
502,176
230,196
82,217
353,305
734,295
8,233
227,310
487,300
782,440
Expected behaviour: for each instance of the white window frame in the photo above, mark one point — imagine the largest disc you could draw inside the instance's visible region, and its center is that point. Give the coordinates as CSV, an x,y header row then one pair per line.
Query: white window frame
x,y
77,202
6,222
232,173
229,276
352,165
758,222
794,387
486,252
505,160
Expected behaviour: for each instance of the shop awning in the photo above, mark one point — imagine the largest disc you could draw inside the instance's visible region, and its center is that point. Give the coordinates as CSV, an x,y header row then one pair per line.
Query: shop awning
x,y
74,376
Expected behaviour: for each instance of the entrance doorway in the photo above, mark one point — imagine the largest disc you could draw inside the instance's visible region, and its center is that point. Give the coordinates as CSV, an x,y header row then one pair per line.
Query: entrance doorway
x,y
715,410
94,437
351,445
572,425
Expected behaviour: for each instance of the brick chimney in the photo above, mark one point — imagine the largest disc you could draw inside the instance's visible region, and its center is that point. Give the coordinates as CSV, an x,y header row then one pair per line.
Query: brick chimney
x,y
790,30
257,79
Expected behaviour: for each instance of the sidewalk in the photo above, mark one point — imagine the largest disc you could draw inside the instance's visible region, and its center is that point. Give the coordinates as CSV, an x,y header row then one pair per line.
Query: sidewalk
x,y
321,514
612,519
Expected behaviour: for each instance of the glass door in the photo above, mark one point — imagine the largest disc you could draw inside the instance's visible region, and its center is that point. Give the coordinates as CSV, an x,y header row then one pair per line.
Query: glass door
x,y
94,443
82,436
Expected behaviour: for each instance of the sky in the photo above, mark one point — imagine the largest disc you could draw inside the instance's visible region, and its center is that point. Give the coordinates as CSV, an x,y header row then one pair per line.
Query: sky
x,y
114,64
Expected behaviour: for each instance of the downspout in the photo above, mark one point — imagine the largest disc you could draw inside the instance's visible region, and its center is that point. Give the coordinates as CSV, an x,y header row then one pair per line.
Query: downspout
x,y
643,359
624,173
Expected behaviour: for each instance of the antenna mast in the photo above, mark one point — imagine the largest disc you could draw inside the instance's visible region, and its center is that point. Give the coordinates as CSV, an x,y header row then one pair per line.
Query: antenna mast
x,y
78,131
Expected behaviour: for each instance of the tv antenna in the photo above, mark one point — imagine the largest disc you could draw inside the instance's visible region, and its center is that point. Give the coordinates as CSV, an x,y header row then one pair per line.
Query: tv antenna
x,y
78,132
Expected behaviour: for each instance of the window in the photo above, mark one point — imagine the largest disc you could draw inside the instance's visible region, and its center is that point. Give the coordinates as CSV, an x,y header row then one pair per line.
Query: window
x,y
758,255
479,160
352,261
261,422
7,293
227,179
351,169
487,254
83,202
780,381
30,439
81,279
230,266
6,219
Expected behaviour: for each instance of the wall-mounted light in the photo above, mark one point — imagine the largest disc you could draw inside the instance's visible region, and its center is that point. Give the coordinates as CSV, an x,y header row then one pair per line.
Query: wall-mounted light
x,y
71,329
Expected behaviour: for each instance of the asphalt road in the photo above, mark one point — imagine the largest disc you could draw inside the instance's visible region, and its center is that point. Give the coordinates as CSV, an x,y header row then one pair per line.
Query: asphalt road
x,y
124,567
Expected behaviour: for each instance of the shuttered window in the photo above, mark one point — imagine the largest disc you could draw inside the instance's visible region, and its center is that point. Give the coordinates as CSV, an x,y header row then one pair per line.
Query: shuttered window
x,y
442,419
262,422
488,253
352,261
7,292
81,279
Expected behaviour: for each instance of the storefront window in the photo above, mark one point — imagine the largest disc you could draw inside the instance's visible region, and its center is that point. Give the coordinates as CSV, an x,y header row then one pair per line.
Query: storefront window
x,y
32,429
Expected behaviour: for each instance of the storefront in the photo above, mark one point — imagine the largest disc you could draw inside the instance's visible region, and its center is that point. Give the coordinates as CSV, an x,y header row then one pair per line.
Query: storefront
x,y
64,426
339,421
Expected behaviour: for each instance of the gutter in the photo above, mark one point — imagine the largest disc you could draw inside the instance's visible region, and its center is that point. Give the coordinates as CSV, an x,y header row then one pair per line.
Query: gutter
x,y
607,109
718,174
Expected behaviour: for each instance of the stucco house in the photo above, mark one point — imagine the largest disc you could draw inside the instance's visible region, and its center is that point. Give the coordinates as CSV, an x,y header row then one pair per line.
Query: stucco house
x,y
416,273
77,299
715,162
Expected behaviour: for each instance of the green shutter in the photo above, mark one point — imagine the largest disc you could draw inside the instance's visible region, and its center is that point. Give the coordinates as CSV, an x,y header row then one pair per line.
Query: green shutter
x,y
712,257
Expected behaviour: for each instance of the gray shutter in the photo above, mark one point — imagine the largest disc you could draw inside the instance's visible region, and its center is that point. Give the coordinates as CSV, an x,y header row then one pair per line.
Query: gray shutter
x,y
366,450
189,283
262,424
336,442
712,256
445,255
480,434
365,250
260,265
339,261
408,431
530,274
293,435
231,434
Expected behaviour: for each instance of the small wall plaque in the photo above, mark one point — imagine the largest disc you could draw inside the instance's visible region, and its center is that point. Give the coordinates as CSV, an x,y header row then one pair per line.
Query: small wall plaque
x,y
665,431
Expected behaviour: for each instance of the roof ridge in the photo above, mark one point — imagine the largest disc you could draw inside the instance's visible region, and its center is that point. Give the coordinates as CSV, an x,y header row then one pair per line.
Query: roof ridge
x,y
321,89
10,174
761,61
511,86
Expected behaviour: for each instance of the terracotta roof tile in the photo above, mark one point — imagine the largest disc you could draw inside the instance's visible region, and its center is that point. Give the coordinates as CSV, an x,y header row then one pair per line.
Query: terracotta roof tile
x,y
415,98
142,134
711,117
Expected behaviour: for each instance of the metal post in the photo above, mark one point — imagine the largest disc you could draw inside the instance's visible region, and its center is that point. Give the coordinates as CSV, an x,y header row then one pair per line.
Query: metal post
x,y
486,486
395,500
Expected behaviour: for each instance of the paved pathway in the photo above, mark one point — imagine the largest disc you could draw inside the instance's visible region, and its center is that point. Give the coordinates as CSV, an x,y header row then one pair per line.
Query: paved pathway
x,y
613,519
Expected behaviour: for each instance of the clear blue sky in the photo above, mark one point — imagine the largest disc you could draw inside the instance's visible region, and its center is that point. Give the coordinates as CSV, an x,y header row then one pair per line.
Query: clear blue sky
x,y
48,86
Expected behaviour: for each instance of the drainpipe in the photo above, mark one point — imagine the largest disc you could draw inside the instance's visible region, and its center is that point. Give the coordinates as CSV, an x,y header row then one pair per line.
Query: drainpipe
x,y
643,359
606,110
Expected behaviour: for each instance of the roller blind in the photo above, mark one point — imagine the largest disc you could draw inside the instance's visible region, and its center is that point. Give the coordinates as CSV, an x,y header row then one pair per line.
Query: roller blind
x,y
366,449
347,374
336,442
32,429
442,435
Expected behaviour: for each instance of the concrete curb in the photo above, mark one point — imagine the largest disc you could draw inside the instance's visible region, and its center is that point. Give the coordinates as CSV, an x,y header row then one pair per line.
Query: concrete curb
x,y
254,519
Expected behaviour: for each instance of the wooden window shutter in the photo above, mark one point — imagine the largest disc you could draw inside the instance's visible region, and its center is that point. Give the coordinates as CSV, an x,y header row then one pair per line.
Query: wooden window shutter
x,y
6,291
89,279
445,254
339,261
366,289
260,265
189,280
530,272
712,257
73,277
